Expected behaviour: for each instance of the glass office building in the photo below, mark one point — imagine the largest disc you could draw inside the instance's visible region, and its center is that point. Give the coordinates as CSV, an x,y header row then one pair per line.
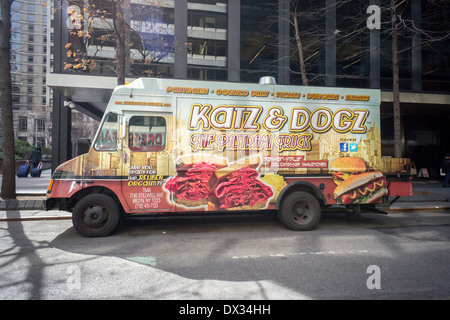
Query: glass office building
x,y
242,40
29,39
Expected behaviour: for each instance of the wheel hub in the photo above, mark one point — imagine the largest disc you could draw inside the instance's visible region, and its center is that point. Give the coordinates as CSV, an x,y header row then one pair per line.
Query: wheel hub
x,y
301,212
95,216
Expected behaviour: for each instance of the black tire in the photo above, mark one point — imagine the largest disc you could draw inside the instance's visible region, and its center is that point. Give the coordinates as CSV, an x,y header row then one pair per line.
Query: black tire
x,y
96,215
300,211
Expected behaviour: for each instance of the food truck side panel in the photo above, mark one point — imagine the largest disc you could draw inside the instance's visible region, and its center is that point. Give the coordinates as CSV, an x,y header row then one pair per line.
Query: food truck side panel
x,y
281,140
175,146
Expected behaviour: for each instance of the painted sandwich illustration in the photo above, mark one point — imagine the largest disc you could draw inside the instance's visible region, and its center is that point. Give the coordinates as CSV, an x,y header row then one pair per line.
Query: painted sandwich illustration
x,y
356,185
233,187
237,187
189,186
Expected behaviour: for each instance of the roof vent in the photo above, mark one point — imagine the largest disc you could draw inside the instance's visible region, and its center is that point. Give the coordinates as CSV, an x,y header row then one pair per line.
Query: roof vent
x,y
267,80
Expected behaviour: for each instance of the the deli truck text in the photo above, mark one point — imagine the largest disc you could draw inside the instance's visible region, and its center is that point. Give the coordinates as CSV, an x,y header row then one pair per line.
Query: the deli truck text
x,y
175,146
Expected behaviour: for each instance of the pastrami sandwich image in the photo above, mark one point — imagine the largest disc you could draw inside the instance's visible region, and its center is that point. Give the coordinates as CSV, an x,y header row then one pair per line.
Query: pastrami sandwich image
x,y
237,186
202,181
241,189
355,185
189,186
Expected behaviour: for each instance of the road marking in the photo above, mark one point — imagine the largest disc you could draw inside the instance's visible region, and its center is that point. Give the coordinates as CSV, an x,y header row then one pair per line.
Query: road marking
x,y
293,254
150,261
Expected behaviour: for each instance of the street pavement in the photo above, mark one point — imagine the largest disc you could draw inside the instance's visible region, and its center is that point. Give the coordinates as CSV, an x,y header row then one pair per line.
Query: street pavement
x,y
428,194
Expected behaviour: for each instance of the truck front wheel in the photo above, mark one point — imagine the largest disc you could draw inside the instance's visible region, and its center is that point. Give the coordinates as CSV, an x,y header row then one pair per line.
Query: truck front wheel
x,y
96,215
300,211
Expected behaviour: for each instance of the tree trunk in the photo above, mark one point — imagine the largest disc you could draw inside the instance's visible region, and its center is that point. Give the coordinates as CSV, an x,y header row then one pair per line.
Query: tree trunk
x,y
119,31
396,83
9,180
300,49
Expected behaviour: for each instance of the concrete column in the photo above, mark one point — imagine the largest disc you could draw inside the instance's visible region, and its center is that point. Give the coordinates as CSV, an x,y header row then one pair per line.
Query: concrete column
x,y
416,51
374,58
61,131
180,67
330,43
234,40
61,116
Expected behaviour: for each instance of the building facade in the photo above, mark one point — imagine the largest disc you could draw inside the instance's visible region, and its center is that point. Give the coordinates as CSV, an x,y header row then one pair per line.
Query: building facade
x,y
345,44
29,41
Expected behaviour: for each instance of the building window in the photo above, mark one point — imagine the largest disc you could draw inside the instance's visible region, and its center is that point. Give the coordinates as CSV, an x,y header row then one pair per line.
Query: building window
x,y
40,123
204,19
207,47
23,124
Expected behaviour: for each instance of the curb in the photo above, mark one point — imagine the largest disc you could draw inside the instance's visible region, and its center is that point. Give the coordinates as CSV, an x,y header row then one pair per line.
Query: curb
x,y
36,218
31,204
13,207
420,206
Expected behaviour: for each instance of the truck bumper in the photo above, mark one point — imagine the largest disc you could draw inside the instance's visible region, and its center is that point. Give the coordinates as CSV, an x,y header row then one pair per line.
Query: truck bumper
x,y
52,203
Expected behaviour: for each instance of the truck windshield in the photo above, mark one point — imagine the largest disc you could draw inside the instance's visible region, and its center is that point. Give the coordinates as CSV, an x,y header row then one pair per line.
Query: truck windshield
x,y
107,137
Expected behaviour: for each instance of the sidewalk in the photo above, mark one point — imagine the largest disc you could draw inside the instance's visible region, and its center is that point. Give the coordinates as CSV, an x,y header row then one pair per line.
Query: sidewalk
x,y
31,193
427,195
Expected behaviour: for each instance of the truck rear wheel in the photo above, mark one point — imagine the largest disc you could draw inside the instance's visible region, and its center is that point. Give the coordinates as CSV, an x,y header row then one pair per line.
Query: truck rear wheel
x,y
96,215
300,211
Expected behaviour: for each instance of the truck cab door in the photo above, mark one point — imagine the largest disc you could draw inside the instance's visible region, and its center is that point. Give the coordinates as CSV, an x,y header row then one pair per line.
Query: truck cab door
x,y
147,160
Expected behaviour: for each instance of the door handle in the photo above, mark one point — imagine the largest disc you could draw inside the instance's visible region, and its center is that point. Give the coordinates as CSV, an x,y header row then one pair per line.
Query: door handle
x,y
124,157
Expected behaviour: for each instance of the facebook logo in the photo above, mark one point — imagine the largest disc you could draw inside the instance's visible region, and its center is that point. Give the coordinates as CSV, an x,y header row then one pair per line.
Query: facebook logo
x,y
346,147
